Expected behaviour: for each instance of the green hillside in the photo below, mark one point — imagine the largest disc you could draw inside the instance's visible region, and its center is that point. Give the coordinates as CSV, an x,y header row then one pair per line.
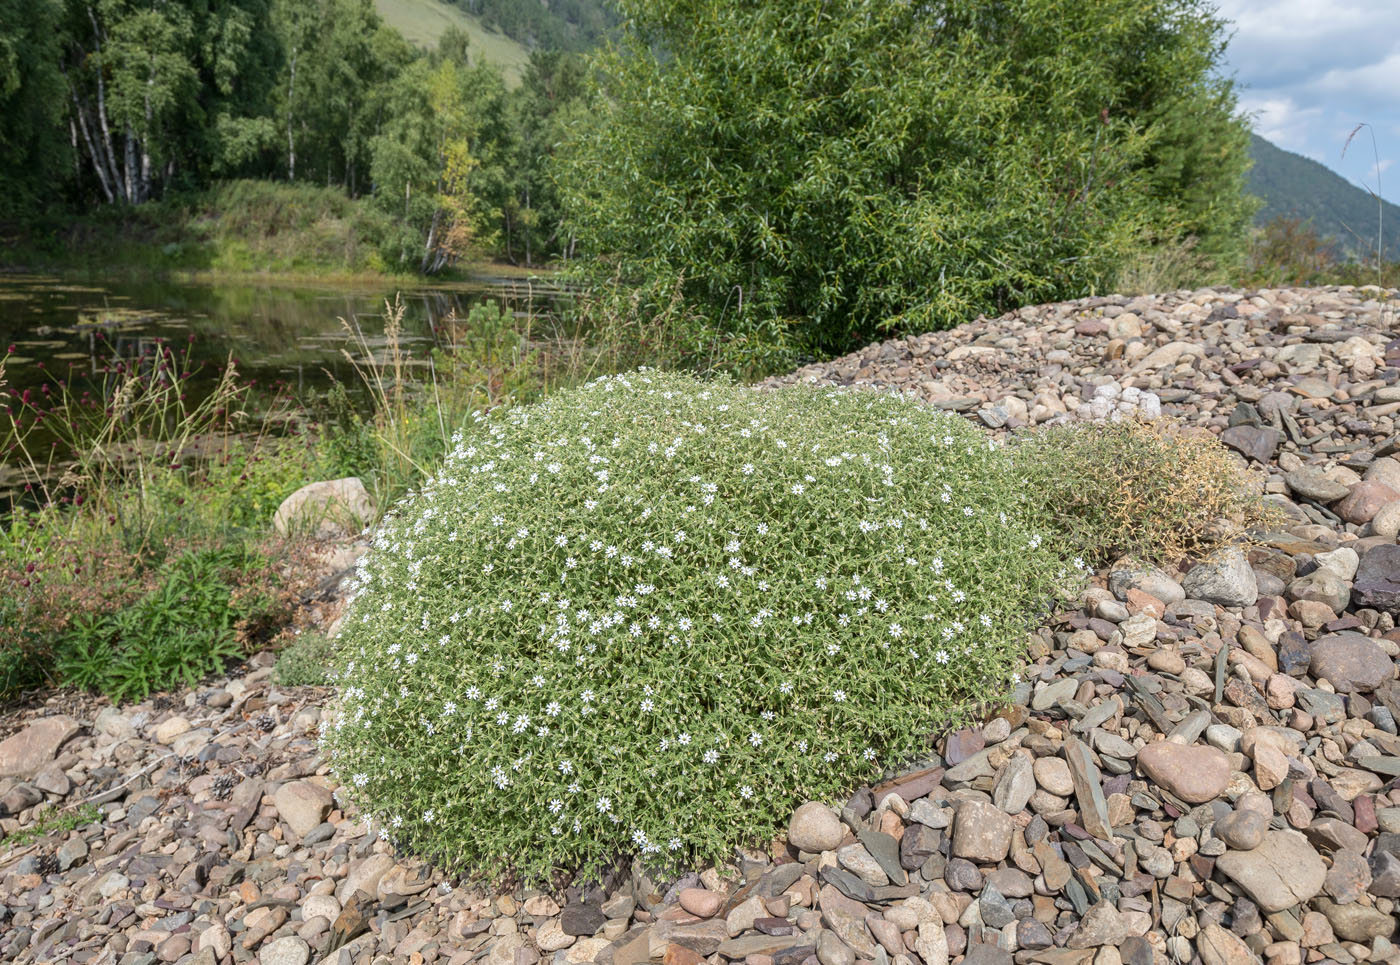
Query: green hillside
x,y
1293,186
423,21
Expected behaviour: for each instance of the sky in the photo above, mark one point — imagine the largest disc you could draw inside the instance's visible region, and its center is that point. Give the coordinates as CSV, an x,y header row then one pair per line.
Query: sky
x,y
1311,70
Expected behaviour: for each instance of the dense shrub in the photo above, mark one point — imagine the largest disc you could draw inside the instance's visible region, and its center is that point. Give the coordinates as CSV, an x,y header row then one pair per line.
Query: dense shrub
x,y
1152,489
653,614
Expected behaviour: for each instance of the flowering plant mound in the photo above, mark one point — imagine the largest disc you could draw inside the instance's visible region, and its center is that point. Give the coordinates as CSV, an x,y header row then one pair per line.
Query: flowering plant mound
x,y
653,614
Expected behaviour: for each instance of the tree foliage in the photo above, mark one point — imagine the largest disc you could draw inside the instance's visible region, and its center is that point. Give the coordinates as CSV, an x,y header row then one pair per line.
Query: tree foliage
x,y
820,170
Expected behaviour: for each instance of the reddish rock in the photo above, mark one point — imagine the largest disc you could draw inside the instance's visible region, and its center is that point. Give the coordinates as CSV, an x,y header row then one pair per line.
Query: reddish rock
x,y
1364,501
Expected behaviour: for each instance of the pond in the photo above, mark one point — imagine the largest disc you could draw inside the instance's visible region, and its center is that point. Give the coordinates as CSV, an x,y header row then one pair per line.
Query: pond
x,y
276,334
282,338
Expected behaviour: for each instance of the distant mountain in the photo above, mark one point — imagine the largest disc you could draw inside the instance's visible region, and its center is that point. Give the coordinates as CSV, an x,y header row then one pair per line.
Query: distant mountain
x,y
1293,186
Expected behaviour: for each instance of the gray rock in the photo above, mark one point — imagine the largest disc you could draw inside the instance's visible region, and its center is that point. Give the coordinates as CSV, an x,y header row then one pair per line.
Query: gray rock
x,y
1378,579
1014,784
1322,586
1225,579
1254,442
1149,579
1281,872
1312,483
981,833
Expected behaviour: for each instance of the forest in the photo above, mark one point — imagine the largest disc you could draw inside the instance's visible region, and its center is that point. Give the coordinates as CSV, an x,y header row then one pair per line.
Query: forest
x,y
117,104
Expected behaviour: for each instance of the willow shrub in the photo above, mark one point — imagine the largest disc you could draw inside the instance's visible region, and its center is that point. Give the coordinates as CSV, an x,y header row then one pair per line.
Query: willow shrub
x,y
653,614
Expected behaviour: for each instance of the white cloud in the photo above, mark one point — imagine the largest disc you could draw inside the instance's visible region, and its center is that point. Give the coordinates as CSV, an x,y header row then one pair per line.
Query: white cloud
x,y
1311,70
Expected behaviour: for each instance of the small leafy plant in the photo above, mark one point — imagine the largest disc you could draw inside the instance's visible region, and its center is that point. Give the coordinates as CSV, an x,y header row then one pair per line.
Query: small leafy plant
x,y
304,662
182,631
655,613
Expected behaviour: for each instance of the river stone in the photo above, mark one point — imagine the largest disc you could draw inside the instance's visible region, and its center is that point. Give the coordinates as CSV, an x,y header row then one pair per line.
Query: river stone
x,y
1242,830
1255,442
1364,501
1226,579
1311,482
846,917
1283,871
1053,774
1378,579
26,753
815,828
1350,661
1217,946
303,805
1149,579
1195,774
1014,785
981,833
327,509
1321,586
290,950
1356,922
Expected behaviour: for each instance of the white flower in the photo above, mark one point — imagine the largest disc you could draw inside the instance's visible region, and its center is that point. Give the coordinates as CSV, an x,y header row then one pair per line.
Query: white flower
x,y
746,792
839,696
710,756
755,739
555,806
683,739
647,706
566,767
360,780
553,708
604,805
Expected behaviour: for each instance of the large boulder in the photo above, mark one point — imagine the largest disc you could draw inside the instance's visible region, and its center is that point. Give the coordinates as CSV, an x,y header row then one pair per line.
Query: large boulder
x,y
328,509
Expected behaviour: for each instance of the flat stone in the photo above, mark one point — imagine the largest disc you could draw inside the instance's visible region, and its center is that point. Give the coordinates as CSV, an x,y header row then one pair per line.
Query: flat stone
x,y
24,754
1356,922
1312,483
857,860
981,833
1281,872
846,918
1350,661
1218,946
1088,790
285,951
1053,774
1195,774
1378,579
1014,785
1101,925
1253,442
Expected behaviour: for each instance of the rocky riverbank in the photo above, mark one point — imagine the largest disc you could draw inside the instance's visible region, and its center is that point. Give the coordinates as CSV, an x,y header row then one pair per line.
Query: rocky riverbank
x,y
1201,764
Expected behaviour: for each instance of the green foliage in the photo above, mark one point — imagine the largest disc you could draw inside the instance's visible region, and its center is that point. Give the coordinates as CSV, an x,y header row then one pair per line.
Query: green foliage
x,y
1289,252
666,611
571,25
178,634
54,822
31,102
305,662
833,169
